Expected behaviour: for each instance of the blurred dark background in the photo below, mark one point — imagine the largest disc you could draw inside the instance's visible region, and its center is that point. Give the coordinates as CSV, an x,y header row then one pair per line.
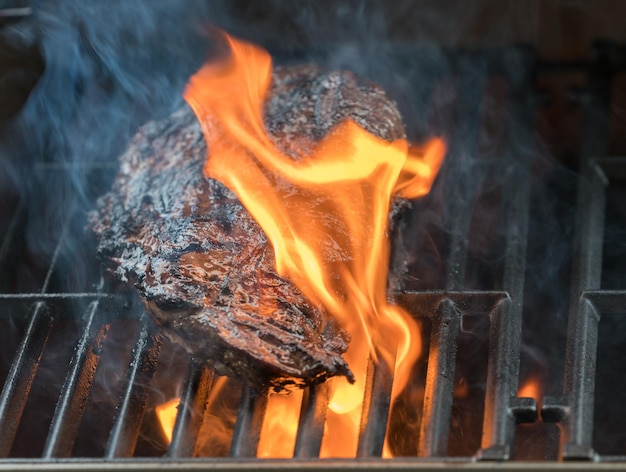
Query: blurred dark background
x,y
136,56
558,29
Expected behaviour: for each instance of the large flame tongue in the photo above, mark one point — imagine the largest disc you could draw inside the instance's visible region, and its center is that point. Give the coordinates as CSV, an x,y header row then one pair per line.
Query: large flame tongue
x,y
326,216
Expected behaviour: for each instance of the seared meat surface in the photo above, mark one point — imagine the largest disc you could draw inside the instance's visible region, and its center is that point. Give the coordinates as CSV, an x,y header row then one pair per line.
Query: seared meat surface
x,y
203,267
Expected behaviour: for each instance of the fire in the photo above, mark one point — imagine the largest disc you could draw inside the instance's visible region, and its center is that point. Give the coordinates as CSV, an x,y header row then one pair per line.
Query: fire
x,y
166,413
350,178
531,389
278,434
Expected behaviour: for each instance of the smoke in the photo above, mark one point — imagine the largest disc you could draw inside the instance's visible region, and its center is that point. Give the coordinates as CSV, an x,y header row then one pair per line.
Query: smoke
x,y
92,71
110,66
106,67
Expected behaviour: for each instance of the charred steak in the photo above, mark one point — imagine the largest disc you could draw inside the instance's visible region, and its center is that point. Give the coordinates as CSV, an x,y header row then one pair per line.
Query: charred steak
x,y
203,267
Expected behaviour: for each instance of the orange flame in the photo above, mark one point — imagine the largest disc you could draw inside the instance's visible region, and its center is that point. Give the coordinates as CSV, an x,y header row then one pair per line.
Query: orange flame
x,y
351,175
217,423
531,388
166,413
278,434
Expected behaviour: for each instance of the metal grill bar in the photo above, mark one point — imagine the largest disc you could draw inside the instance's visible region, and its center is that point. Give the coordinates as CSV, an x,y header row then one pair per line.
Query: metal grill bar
x,y
609,302
20,379
26,362
130,409
424,304
311,425
575,408
55,297
461,159
330,465
190,411
440,380
439,388
506,322
249,422
375,411
73,398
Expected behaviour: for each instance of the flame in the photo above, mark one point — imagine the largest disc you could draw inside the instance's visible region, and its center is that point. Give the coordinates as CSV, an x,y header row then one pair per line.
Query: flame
x,y
218,418
166,413
531,388
344,414
220,415
349,180
280,425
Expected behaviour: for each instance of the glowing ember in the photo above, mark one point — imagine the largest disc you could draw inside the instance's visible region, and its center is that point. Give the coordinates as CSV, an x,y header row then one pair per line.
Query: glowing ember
x,y
349,179
166,413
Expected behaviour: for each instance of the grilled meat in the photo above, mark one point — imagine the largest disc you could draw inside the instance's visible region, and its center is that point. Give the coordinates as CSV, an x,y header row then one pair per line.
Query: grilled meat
x,y
203,267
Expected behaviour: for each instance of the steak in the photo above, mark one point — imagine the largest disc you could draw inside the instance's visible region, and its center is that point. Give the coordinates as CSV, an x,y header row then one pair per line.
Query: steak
x,y
202,266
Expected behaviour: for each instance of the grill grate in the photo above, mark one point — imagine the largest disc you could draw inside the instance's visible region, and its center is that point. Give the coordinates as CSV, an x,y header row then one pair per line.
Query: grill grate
x,y
575,408
444,306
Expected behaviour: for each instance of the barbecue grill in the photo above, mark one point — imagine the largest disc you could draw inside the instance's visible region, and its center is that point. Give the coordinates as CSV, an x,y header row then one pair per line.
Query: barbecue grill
x,y
83,368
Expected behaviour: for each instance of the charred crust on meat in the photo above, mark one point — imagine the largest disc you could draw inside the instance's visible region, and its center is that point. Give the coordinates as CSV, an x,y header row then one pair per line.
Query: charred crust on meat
x,y
203,268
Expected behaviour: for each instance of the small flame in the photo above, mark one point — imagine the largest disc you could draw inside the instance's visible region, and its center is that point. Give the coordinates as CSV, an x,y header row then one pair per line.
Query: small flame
x,y
349,179
166,413
218,419
531,388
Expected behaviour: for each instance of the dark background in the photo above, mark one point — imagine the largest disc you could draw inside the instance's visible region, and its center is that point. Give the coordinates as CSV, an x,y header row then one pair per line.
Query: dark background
x,y
558,29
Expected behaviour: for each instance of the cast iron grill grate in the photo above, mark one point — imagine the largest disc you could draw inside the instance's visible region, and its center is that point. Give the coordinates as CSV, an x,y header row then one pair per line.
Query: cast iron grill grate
x,y
35,301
